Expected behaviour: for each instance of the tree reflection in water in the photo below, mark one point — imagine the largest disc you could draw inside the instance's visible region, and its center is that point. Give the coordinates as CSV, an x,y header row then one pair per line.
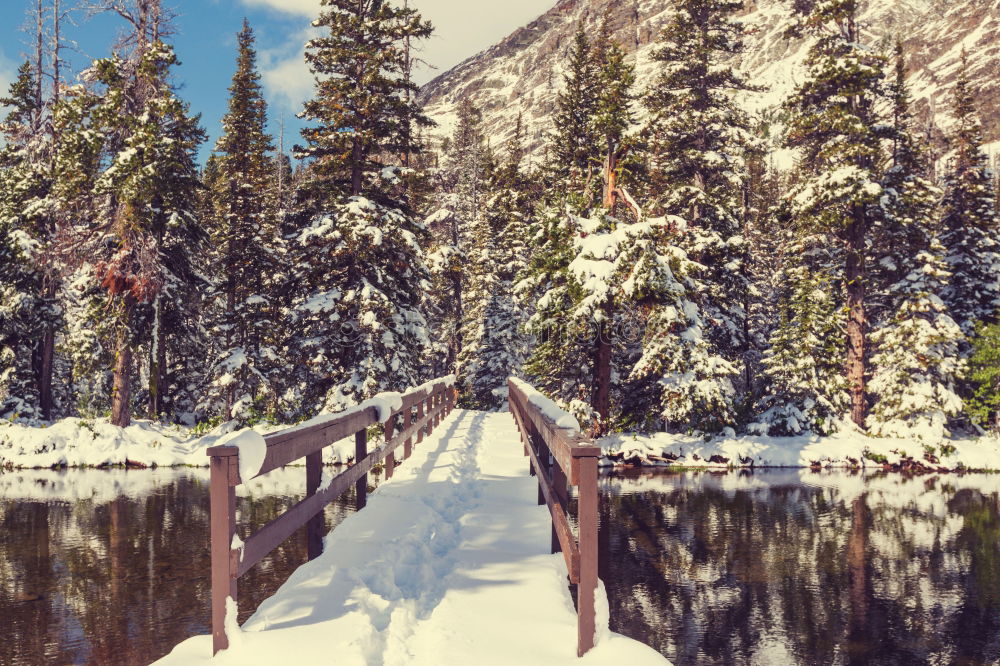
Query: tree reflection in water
x,y
799,567
121,579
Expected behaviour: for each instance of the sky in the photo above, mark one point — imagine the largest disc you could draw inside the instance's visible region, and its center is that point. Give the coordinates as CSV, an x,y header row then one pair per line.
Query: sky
x,y
206,45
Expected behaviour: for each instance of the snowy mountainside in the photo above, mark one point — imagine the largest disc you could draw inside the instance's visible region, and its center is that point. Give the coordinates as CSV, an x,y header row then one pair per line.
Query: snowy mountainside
x,y
523,73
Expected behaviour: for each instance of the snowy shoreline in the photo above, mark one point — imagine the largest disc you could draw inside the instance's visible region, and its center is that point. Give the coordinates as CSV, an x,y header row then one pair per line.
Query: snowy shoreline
x,y
82,443
847,450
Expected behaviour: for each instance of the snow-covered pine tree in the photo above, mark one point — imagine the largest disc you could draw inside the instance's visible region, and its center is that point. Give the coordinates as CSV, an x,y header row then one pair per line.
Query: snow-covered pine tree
x,y
612,121
460,211
141,242
496,346
835,125
970,223
805,389
915,343
573,312
244,315
917,358
695,390
23,183
574,155
697,138
360,272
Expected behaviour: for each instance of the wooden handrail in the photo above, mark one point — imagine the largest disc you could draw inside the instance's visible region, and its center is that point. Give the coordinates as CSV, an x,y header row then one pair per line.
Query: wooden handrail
x,y
231,559
561,457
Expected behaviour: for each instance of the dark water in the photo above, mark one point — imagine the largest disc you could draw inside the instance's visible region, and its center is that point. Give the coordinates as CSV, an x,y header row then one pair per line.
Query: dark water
x,y
112,567
795,567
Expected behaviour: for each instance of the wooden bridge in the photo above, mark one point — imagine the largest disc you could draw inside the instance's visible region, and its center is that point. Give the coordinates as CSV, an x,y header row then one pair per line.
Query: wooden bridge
x,y
559,458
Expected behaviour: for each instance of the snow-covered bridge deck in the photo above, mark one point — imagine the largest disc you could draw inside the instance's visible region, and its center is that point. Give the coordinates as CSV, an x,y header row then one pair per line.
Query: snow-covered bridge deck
x,y
448,564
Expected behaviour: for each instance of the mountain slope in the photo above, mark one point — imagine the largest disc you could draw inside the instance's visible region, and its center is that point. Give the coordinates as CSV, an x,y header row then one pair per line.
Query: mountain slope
x,y
523,73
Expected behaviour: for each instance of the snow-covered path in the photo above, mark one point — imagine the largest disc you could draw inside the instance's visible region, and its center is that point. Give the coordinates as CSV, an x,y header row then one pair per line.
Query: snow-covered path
x,y
449,563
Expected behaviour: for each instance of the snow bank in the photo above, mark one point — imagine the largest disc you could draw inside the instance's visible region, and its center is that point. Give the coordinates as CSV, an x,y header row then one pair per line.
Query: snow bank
x,y
76,442
846,449
448,564
562,418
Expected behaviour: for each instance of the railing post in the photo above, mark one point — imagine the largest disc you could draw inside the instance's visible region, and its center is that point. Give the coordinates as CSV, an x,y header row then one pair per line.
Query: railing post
x,y
223,528
314,529
361,485
407,420
587,589
562,491
390,459
420,416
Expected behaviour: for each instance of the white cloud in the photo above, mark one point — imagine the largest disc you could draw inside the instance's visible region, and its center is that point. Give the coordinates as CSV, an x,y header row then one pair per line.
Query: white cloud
x,y
285,74
463,28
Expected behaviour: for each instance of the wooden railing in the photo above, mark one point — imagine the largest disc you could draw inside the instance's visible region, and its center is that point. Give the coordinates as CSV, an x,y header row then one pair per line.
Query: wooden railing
x,y
420,410
561,457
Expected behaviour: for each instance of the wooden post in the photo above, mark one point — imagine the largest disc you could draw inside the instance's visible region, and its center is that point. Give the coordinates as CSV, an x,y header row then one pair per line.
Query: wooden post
x,y
390,458
587,589
407,420
562,491
314,528
224,470
361,485
420,415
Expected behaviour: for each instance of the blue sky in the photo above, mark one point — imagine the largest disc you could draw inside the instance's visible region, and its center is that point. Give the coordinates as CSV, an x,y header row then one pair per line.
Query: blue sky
x,y
206,43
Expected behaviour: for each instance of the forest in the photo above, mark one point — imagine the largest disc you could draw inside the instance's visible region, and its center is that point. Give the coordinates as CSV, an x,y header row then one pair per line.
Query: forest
x,y
653,269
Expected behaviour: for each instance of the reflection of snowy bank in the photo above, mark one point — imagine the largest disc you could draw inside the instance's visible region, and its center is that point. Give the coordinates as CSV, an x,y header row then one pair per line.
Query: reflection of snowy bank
x,y
841,450
100,485
926,494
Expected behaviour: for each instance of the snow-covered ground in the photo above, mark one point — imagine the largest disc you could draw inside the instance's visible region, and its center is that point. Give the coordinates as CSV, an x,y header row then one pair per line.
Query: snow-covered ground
x,y
82,443
845,449
448,564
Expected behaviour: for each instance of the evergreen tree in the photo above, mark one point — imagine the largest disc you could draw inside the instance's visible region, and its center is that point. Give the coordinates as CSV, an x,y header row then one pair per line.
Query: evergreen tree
x,y
803,368
969,225
461,211
497,347
574,154
244,237
917,359
834,123
915,343
983,405
142,243
697,139
360,272
23,312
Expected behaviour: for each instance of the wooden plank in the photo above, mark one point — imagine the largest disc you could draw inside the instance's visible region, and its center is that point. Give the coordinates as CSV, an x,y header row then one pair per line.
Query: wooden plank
x,y
286,447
